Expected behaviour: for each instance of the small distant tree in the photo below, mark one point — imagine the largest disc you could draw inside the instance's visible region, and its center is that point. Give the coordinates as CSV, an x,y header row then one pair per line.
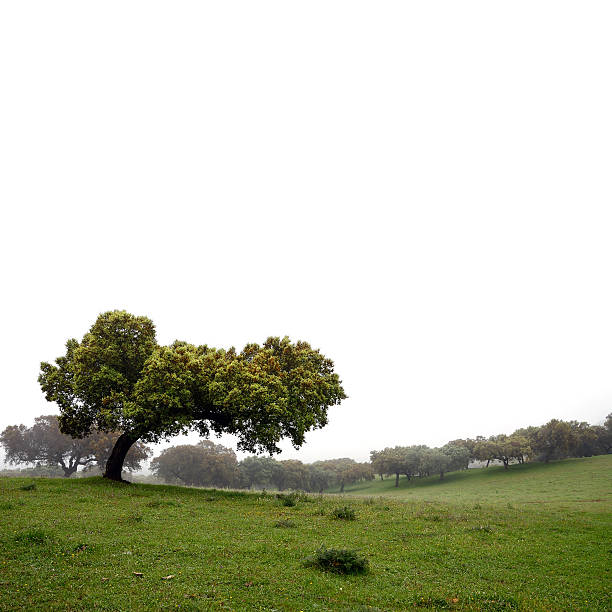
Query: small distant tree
x,y
290,474
345,471
584,440
320,479
553,440
505,448
434,461
379,463
45,444
604,439
355,473
181,464
605,435
484,450
520,447
203,464
256,471
397,460
458,455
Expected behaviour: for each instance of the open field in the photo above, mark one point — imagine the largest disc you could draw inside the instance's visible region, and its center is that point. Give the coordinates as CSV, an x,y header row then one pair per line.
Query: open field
x,y
75,545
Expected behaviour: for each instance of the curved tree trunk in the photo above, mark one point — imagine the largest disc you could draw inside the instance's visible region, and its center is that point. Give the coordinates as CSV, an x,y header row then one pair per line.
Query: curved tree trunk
x,y
114,465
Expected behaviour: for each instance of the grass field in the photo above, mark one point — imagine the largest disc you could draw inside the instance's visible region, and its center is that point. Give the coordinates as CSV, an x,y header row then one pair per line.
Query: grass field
x,y
474,541
560,484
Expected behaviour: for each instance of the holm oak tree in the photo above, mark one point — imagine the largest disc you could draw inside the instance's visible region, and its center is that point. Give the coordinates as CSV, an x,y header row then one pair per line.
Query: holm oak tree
x,y
117,378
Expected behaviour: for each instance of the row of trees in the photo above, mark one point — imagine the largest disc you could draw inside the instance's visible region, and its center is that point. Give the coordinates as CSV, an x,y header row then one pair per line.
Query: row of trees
x,y
555,440
209,464
44,444
419,460
203,464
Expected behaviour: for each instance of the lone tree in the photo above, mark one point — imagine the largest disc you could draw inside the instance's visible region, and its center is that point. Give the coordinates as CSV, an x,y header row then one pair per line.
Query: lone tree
x,y
119,379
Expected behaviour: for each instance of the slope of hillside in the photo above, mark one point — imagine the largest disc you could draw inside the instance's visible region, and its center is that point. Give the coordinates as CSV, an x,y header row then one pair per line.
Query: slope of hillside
x,y
571,482
91,544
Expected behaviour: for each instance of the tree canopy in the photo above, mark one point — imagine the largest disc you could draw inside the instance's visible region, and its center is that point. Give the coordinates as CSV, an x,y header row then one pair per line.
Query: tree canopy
x,y
117,378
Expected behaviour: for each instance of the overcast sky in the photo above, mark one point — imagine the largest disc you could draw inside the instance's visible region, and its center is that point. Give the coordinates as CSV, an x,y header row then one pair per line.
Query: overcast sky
x,y
422,190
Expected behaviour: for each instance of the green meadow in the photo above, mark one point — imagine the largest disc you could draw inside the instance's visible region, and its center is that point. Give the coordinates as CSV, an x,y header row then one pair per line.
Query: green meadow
x,y
535,537
557,484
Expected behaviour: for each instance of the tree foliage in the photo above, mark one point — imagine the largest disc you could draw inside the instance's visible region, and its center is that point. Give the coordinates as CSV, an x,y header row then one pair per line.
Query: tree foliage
x,y
256,471
117,378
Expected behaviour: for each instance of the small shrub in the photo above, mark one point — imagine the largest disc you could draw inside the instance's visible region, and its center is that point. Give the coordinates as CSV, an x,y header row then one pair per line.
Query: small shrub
x,y
29,487
289,499
482,529
33,537
156,503
131,518
436,518
345,513
338,561
430,602
285,524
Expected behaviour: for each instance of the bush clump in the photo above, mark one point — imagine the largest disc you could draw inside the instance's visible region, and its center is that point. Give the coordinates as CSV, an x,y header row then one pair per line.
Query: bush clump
x,y
285,524
33,537
338,561
345,513
28,487
481,529
287,499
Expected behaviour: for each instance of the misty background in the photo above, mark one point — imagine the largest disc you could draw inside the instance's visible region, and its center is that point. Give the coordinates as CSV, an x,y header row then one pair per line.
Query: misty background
x,y
420,191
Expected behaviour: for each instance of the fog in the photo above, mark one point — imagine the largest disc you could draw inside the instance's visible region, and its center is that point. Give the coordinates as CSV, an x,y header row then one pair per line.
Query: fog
x,y
419,190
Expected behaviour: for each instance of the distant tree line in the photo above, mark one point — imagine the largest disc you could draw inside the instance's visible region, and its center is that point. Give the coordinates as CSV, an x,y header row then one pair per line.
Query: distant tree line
x,y
208,464
213,465
419,460
555,440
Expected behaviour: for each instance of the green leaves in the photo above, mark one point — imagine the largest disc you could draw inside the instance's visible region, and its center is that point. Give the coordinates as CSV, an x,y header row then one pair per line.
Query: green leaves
x,y
118,378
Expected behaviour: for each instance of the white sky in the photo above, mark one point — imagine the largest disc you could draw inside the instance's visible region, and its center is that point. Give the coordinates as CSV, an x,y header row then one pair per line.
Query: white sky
x,y
422,190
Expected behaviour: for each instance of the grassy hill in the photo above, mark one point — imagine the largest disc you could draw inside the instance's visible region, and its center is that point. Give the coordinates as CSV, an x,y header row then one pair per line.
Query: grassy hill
x,y
568,483
472,542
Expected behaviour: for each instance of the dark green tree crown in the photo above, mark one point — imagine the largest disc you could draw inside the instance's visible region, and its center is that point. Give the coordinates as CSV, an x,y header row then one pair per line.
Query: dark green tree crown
x,y
119,378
